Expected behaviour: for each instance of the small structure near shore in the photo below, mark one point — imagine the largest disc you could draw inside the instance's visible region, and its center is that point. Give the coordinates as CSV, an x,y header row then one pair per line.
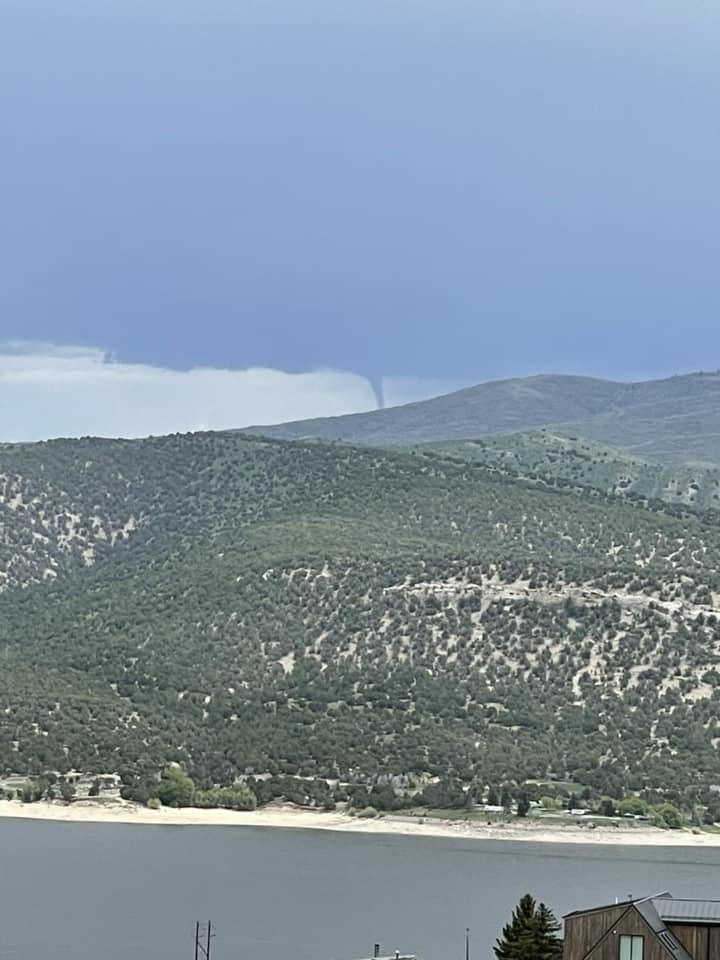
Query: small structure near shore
x,y
397,955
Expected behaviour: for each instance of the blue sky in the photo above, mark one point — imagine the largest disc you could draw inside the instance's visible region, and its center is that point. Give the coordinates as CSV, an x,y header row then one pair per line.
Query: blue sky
x,y
422,194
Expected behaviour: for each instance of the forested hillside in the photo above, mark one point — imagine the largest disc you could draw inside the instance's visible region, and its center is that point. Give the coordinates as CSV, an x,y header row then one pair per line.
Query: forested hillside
x,y
244,606
569,460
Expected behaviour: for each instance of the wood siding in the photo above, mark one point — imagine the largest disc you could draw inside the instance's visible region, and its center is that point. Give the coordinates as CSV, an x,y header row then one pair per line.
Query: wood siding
x,y
584,930
702,943
694,939
633,924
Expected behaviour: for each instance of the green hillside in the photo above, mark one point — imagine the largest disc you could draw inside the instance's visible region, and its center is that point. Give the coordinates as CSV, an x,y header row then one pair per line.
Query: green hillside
x,y
246,606
569,459
670,421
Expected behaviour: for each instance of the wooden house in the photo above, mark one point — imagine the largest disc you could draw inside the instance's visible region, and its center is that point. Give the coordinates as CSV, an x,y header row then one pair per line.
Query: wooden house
x,y
653,928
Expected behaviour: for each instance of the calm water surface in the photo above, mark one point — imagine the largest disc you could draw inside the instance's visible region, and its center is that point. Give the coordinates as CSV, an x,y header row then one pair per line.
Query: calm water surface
x,y
92,891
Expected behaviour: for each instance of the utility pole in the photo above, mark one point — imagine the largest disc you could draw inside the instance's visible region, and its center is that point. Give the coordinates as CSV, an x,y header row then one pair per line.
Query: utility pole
x,y
467,943
202,949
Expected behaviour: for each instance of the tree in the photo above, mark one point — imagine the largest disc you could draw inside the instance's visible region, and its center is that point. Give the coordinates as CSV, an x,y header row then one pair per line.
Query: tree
x,y
531,933
666,815
237,797
633,806
136,792
523,805
508,946
445,795
548,945
67,791
176,789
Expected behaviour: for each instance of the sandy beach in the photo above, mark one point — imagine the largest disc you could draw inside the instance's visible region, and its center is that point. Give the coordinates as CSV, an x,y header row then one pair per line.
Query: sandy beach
x,y
288,817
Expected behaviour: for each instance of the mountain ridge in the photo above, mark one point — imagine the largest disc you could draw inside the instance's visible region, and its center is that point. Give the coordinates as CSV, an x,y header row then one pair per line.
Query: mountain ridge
x,y
672,420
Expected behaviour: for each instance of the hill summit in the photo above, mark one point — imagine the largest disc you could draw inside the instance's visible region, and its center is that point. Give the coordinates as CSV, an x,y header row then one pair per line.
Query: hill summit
x,y
673,420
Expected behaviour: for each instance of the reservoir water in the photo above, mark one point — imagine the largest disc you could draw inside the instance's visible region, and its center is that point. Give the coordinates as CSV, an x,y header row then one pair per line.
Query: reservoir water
x,y
86,891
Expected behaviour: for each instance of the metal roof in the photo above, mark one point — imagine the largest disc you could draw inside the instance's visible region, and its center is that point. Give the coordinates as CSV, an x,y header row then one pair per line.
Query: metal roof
x,y
628,901
687,910
396,956
604,906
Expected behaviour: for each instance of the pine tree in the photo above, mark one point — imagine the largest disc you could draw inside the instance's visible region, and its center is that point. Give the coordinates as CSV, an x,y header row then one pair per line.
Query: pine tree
x,y
547,945
531,933
507,947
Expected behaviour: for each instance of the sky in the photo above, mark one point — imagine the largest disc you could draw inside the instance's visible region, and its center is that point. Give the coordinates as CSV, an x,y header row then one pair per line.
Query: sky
x,y
215,213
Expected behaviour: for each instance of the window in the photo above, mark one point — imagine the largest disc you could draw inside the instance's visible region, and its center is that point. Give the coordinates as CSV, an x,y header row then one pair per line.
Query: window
x,y
631,948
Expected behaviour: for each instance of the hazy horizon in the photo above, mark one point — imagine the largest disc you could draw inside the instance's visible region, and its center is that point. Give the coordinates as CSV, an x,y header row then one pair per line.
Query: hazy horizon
x,y
51,389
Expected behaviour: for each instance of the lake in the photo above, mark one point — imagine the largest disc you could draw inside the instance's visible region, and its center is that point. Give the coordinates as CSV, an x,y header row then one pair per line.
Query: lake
x,y
94,891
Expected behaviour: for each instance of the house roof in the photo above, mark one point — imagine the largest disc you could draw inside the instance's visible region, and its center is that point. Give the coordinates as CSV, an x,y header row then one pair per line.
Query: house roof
x,y
618,903
687,911
397,956
604,906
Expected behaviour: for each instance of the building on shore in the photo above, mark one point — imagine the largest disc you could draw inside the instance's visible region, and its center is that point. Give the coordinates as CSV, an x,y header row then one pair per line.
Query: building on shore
x,y
397,955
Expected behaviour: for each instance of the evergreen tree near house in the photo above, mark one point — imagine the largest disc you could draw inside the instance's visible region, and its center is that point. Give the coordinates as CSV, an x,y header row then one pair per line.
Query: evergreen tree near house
x,y
531,934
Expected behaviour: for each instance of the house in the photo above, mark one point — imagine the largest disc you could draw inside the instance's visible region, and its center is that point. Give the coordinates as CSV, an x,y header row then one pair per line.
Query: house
x,y
654,928
395,956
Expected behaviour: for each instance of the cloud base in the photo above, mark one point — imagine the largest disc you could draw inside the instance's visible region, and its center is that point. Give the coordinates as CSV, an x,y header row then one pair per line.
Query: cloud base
x,y
50,390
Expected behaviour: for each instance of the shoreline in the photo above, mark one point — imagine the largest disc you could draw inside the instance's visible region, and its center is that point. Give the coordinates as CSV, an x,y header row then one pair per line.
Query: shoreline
x,y
289,817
